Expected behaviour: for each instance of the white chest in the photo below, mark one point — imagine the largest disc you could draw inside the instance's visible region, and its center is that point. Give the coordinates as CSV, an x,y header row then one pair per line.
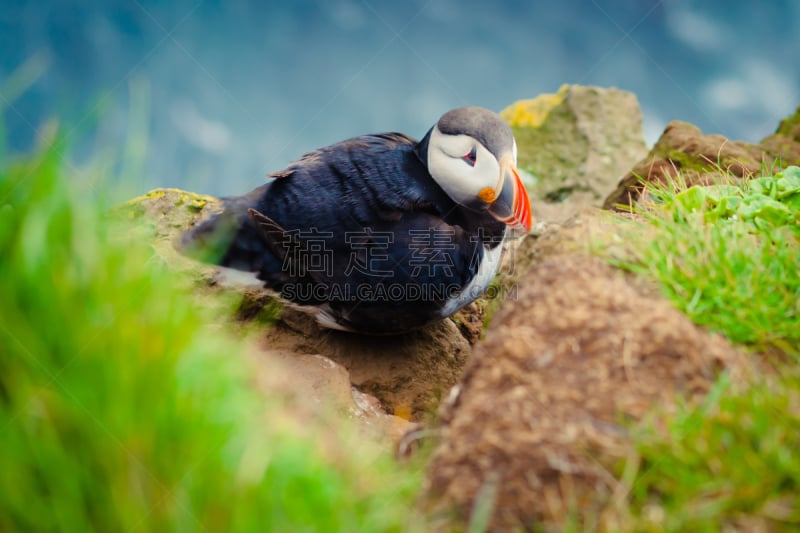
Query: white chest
x,y
486,272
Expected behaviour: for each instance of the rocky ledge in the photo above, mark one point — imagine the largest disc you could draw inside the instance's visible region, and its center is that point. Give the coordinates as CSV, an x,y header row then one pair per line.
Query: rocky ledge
x,y
535,398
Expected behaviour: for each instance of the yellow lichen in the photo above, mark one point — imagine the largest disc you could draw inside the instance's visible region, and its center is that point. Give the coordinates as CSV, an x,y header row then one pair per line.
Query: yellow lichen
x,y
151,195
532,113
194,200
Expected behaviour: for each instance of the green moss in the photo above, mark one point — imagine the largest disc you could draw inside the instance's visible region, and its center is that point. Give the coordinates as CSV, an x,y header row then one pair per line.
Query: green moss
x,y
552,151
684,162
259,309
493,299
790,126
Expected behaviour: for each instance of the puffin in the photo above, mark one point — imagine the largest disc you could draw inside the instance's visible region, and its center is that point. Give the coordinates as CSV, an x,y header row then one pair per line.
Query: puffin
x,y
380,234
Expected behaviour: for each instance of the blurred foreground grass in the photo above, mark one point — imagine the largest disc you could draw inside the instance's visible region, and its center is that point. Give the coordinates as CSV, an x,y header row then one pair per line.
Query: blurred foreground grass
x,y
121,410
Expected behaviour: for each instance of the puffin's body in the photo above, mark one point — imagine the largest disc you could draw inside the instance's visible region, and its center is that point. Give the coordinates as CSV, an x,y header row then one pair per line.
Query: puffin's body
x,y
363,231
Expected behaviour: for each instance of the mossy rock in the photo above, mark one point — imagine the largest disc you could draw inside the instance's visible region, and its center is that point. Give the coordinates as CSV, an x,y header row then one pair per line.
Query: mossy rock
x,y
784,144
683,150
577,142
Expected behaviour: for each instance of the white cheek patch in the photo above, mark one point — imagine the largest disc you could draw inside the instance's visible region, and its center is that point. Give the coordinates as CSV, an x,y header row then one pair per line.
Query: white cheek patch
x,y
452,145
487,170
461,181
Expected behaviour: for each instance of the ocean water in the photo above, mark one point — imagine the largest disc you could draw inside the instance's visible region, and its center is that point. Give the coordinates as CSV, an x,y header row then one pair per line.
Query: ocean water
x,y
211,96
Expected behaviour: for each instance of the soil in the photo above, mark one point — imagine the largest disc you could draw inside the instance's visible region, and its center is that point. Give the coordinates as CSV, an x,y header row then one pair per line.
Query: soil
x,y
409,374
537,422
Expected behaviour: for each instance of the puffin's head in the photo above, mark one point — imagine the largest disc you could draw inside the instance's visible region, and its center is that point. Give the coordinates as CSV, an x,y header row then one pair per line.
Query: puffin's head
x,y
472,155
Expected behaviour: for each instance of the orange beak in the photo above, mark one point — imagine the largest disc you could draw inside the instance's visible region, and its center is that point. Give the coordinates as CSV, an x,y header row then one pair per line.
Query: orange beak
x,y
511,205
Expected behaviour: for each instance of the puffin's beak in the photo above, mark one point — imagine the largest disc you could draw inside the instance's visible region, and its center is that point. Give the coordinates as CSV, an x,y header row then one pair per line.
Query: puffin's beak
x,y
511,205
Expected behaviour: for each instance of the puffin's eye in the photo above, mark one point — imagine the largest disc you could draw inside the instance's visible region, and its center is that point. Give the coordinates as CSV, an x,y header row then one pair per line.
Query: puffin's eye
x,y
471,157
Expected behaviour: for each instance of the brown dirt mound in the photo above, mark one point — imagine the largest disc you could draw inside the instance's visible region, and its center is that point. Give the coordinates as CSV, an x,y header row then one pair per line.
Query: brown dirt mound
x,y
536,424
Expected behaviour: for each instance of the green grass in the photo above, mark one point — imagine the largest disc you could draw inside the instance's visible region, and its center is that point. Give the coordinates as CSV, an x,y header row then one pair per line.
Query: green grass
x,y
728,257
732,462
122,410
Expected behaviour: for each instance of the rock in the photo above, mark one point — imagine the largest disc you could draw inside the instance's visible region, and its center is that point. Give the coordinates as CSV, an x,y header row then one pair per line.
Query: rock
x,y
706,159
533,429
470,320
700,159
577,143
318,378
163,215
319,381
784,144
408,374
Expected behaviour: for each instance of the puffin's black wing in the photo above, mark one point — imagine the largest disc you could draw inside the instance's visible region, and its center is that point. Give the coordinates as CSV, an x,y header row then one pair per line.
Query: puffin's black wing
x,y
359,179
362,213
286,246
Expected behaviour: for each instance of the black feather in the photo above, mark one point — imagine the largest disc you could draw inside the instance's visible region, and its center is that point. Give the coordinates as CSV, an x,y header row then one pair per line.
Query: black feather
x,y
366,203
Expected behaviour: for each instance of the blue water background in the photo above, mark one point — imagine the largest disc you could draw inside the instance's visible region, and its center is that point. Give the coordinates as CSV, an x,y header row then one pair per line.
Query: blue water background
x,y
224,92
